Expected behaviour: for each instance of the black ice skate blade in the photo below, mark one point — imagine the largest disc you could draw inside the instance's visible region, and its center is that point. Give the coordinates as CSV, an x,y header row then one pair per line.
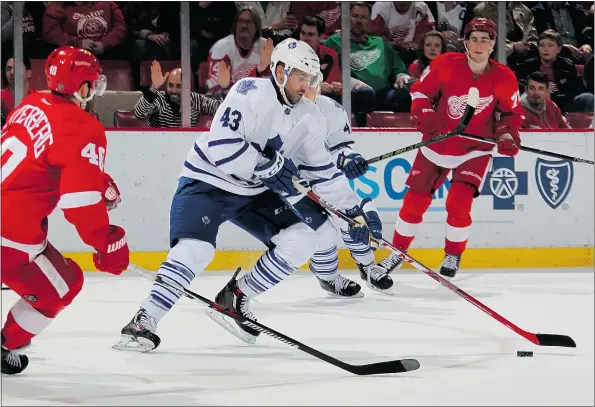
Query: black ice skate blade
x,y
230,327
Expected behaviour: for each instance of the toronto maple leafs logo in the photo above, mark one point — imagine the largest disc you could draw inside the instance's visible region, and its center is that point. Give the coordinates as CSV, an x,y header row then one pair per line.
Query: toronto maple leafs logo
x,y
554,179
457,105
360,60
246,86
292,45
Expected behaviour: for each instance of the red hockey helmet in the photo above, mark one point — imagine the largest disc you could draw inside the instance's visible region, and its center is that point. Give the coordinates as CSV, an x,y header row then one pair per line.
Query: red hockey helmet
x,y
67,68
481,24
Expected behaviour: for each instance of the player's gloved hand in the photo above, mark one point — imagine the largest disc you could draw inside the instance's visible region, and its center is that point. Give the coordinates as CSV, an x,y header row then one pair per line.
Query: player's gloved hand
x,y
114,259
509,141
431,123
353,165
369,224
111,193
277,174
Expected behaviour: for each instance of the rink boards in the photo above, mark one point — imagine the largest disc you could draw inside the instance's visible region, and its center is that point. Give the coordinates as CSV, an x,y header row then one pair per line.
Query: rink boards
x,y
533,211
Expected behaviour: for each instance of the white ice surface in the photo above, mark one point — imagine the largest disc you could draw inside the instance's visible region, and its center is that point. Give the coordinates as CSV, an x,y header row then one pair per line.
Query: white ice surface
x,y
466,357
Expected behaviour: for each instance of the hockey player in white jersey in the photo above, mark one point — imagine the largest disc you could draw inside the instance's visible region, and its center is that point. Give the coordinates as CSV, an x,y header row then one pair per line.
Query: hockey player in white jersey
x,y
263,135
324,264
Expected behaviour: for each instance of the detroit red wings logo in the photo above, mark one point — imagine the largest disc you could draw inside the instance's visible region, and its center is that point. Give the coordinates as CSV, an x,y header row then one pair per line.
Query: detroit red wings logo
x,y
457,105
401,33
360,60
330,16
241,72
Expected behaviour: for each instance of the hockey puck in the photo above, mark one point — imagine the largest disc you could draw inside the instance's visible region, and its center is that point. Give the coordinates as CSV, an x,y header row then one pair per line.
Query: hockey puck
x,y
524,354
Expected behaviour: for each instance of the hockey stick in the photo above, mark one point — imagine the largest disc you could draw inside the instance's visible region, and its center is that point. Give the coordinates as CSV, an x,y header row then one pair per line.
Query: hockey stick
x,y
472,100
393,366
538,339
5,288
531,150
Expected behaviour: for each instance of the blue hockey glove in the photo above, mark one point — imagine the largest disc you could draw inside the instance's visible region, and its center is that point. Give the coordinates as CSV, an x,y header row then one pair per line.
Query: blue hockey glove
x,y
277,174
369,224
353,165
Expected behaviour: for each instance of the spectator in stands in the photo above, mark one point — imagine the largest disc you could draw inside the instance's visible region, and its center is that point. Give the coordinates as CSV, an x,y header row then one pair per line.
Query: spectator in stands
x,y
431,46
162,109
310,32
329,11
565,83
97,26
7,93
274,15
244,51
209,22
451,18
574,24
375,63
540,111
150,25
33,44
402,24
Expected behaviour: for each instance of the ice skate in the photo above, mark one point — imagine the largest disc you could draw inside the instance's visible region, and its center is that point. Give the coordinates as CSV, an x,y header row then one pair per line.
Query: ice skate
x,y
139,334
12,362
233,299
377,278
450,265
341,287
392,262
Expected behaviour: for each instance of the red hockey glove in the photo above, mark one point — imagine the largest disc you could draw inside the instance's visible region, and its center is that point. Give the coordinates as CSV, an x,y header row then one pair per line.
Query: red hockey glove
x,y
509,140
430,123
111,193
116,256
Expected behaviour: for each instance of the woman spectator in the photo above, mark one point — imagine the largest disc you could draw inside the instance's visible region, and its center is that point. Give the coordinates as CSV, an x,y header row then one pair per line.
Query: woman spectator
x,y
431,46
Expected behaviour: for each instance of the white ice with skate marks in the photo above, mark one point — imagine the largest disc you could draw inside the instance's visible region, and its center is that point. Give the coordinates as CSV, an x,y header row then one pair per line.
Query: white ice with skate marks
x,y
466,357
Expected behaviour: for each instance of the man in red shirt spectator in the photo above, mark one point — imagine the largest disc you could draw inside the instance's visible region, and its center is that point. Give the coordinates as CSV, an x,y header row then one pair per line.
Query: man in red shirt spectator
x,y
310,32
540,111
7,94
97,26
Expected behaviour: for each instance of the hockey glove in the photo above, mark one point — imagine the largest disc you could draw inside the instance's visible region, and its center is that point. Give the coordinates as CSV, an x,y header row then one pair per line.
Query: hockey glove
x,y
353,165
277,174
508,141
111,193
430,123
114,259
369,224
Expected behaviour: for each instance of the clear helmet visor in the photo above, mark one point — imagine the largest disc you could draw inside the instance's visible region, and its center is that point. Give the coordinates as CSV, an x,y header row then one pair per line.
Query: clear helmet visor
x,y
99,85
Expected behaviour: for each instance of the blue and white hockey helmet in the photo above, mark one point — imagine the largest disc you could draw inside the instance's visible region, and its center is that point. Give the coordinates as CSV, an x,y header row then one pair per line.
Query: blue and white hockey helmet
x,y
295,54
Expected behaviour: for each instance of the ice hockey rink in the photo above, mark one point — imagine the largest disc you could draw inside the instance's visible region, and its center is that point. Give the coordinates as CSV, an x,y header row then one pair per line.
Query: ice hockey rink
x,y
467,358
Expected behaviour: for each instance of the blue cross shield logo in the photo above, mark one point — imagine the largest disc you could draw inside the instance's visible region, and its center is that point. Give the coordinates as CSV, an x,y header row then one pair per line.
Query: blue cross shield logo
x,y
554,179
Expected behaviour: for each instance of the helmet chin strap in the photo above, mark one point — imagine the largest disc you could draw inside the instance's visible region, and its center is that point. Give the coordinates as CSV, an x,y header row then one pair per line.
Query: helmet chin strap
x,y
281,87
83,101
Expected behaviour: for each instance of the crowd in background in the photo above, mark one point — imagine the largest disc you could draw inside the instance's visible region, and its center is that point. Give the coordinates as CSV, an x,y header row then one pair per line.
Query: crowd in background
x,y
549,45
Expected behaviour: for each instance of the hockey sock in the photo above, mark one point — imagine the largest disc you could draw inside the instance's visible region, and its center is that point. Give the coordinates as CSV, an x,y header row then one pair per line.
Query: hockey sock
x,y
361,253
269,270
184,262
325,264
458,221
415,204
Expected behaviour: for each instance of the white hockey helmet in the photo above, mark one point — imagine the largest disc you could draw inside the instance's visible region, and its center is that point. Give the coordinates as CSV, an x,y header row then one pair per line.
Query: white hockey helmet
x,y
295,54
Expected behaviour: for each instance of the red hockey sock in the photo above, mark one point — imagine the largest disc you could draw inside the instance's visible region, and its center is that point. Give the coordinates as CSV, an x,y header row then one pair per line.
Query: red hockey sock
x,y
22,324
411,214
458,222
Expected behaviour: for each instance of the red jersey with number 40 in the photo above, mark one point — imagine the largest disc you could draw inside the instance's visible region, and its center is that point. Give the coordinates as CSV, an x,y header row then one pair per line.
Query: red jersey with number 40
x,y
53,154
444,87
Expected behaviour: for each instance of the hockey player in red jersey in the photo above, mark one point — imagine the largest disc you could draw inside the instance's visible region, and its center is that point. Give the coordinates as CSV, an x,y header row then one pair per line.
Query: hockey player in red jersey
x,y
53,155
439,99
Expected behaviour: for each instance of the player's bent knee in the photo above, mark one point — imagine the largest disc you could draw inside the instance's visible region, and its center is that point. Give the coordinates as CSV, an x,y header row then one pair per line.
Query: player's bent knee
x,y
296,244
460,199
194,254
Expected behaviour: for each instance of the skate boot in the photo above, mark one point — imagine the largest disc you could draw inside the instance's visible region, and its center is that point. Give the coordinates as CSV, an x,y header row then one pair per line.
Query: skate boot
x,y
233,299
376,278
450,265
139,334
392,262
341,287
12,362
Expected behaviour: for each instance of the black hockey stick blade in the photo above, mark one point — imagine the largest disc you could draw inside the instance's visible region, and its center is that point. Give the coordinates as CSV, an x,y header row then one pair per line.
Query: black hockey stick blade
x,y
394,366
472,101
556,340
